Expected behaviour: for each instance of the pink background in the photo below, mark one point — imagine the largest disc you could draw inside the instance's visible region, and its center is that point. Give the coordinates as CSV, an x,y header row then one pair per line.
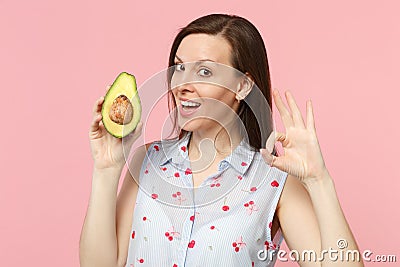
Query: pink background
x,y
56,58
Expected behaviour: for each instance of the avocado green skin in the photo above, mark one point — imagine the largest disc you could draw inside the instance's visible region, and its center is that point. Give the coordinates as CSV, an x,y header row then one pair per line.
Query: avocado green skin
x,y
136,104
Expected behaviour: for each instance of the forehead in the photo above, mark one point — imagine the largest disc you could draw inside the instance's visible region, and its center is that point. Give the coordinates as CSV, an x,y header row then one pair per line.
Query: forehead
x,y
201,46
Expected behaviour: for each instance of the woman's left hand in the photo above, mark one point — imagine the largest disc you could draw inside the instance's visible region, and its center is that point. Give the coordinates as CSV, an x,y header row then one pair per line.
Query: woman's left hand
x,y
302,154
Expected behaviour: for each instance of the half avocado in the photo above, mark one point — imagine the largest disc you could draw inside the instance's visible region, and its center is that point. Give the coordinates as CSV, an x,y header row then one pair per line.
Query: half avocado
x,y
121,110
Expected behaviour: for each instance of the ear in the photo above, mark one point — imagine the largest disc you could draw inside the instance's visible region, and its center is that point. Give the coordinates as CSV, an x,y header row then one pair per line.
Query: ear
x,y
244,86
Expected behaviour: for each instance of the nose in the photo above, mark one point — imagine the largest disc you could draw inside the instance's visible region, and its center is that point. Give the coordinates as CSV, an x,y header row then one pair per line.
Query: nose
x,y
182,89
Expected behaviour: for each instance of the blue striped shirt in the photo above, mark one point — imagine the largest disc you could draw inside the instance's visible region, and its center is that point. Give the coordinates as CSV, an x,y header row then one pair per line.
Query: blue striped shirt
x,y
225,221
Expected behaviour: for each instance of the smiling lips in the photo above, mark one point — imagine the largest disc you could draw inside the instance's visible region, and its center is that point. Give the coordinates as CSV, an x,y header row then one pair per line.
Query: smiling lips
x,y
188,107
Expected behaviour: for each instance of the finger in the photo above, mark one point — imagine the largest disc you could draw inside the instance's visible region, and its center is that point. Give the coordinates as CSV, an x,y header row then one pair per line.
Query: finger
x,y
94,127
97,106
266,152
273,138
279,162
296,114
281,137
310,116
272,160
270,143
131,138
285,115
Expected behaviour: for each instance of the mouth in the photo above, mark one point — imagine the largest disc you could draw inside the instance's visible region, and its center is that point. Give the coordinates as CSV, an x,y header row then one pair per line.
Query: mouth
x,y
188,107
190,104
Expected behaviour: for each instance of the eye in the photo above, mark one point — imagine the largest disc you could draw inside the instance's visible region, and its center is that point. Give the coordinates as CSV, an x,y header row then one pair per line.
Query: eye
x,y
205,72
179,67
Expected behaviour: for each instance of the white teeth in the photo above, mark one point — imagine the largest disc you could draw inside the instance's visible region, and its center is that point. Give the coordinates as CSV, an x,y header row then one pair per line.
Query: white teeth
x,y
190,104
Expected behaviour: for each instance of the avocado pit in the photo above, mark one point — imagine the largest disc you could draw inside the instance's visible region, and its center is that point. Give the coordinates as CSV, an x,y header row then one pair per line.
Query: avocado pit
x,y
121,110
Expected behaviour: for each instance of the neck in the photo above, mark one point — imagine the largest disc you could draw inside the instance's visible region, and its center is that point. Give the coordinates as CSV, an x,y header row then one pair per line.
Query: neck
x,y
217,142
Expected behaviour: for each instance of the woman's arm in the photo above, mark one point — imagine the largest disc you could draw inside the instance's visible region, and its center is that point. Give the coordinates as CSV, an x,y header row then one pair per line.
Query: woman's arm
x,y
313,223
309,211
335,231
109,217
98,241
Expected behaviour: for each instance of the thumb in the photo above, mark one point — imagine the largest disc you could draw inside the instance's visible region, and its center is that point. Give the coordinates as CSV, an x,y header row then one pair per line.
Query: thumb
x,y
131,138
267,156
274,161
279,162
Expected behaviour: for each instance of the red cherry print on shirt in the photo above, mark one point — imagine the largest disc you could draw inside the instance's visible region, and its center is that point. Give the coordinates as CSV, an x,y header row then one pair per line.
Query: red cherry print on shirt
x,y
244,163
146,171
188,171
176,174
154,196
170,238
217,185
141,260
144,218
183,148
238,244
253,189
274,183
192,218
167,234
133,234
164,168
212,227
179,197
191,244
240,177
174,265
225,207
251,202
246,204
156,148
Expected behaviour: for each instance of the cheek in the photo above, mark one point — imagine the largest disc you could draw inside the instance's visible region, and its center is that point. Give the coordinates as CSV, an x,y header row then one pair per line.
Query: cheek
x,y
217,93
228,97
173,93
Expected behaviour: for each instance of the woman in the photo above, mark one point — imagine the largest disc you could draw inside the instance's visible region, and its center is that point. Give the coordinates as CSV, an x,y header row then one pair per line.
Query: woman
x,y
243,223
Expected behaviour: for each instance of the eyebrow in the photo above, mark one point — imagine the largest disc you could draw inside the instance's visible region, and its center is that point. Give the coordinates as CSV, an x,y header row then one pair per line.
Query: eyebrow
x,y
206,59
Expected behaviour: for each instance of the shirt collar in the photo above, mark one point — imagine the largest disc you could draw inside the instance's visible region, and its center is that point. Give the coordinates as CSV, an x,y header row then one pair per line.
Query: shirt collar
x,y
240,159
175,150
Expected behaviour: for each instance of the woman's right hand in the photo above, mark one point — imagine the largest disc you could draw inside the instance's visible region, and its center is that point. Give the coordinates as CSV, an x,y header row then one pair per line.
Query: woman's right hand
x,y
108,151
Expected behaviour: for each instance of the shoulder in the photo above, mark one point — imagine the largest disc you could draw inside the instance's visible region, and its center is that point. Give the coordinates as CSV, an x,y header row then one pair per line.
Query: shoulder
x,y
163,144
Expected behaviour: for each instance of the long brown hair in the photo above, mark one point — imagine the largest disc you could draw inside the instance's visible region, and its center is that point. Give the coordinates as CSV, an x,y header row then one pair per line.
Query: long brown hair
x,y
248,55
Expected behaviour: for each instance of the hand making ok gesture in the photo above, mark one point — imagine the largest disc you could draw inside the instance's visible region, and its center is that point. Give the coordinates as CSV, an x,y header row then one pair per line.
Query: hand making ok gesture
x,y
302,154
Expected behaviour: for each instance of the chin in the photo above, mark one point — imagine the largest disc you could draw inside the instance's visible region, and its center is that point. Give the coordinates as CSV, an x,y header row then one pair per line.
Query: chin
x,y
193,125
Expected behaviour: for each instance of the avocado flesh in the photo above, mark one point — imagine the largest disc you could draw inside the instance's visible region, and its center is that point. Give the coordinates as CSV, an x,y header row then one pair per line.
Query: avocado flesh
x,y
123,97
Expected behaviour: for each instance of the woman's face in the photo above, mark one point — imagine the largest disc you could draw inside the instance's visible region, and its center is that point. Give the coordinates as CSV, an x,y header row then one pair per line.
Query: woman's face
x,y
203,73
